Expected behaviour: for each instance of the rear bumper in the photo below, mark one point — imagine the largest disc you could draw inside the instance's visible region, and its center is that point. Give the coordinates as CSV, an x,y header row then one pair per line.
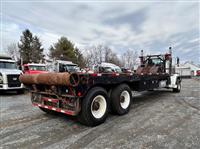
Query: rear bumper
x,y
68,112
66,105
5,87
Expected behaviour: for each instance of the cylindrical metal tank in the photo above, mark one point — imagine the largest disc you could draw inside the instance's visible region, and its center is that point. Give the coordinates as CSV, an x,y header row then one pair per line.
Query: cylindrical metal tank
x,y
51,79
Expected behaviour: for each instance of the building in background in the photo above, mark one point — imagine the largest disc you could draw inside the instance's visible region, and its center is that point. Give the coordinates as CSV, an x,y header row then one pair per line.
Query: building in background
x,y
187,69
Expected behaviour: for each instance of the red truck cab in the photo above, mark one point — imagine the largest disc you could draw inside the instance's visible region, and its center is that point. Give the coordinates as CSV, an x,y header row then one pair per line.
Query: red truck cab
x,y
34,68
198,73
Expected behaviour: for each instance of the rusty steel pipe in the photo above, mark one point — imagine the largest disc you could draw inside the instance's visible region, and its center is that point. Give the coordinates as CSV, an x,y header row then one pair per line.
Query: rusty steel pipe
x,y
50,79
28,79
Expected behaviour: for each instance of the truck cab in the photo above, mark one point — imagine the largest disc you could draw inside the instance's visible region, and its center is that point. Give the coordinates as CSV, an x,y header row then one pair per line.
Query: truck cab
x,y
33,68
9,74
62,66
198,73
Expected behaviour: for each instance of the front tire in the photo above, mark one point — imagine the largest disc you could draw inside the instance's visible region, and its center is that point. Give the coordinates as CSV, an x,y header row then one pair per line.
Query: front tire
x,y
121,97
94,109
178,88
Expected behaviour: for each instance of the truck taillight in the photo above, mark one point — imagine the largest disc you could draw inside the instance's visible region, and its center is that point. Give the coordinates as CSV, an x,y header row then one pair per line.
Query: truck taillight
x,y
79,94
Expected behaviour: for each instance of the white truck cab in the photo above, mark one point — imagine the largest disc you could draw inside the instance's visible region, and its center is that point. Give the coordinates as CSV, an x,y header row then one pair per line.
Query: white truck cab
x,y
9,75
62,66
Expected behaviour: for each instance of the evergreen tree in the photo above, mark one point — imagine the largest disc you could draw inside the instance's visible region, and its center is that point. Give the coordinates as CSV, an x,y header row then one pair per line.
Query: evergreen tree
x,y
79,58
30,48
25,46
64,49
37,54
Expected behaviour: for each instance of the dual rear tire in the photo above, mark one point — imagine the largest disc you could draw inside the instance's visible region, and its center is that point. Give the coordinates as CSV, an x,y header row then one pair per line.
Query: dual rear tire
x,y
121,97
94,110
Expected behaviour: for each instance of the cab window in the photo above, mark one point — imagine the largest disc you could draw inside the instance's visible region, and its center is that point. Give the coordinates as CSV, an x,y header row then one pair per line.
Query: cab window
x,y
26,68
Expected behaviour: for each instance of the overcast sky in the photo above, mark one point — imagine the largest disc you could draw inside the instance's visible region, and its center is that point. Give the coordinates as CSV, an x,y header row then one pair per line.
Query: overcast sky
x,y
151,26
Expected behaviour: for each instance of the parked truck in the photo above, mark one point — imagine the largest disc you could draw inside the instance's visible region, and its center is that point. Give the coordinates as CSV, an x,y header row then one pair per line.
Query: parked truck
x,y
34,68
62,66
90,96
9,75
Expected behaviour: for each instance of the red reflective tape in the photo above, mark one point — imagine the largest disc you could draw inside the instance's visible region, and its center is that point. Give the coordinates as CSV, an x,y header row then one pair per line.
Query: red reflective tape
x,y
50,99
58,110
54,109
34,104
69,113
93,74
62,111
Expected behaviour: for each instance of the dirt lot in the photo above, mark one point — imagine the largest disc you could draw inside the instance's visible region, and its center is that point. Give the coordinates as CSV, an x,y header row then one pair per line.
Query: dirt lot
x,y
159,119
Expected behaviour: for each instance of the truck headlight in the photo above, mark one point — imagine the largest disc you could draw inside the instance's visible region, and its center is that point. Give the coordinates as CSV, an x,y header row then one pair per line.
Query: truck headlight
x,y
1,78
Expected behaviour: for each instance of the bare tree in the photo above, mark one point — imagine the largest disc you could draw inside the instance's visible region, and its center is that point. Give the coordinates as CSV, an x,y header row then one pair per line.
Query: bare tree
x,y
129,59
13,51
111,57
94,55
89,57
98,54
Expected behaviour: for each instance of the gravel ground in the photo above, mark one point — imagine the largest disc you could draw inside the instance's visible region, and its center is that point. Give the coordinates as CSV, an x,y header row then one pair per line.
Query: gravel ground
x,y
159,119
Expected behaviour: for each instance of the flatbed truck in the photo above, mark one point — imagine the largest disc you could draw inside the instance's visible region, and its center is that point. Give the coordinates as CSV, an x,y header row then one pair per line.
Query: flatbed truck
x,y
90,96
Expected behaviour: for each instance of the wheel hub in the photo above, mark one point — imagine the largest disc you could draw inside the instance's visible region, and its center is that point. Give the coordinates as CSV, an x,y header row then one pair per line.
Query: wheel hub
x,y
122,99
98,106
125,99
95,106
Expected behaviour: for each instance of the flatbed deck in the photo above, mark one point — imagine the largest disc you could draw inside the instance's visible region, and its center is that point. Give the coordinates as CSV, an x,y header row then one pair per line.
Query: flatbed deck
x,y
90,95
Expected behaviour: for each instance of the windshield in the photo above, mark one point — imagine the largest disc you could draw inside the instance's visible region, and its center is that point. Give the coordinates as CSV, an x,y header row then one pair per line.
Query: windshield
x,y
68,68
118,70
8,65
40,68
156,61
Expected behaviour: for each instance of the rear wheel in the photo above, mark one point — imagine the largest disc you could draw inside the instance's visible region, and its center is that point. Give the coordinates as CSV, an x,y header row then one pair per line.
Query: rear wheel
x,y
94,109
121,99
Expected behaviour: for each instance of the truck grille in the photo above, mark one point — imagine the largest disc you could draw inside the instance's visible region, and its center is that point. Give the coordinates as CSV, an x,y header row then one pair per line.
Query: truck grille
x,y
13,81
